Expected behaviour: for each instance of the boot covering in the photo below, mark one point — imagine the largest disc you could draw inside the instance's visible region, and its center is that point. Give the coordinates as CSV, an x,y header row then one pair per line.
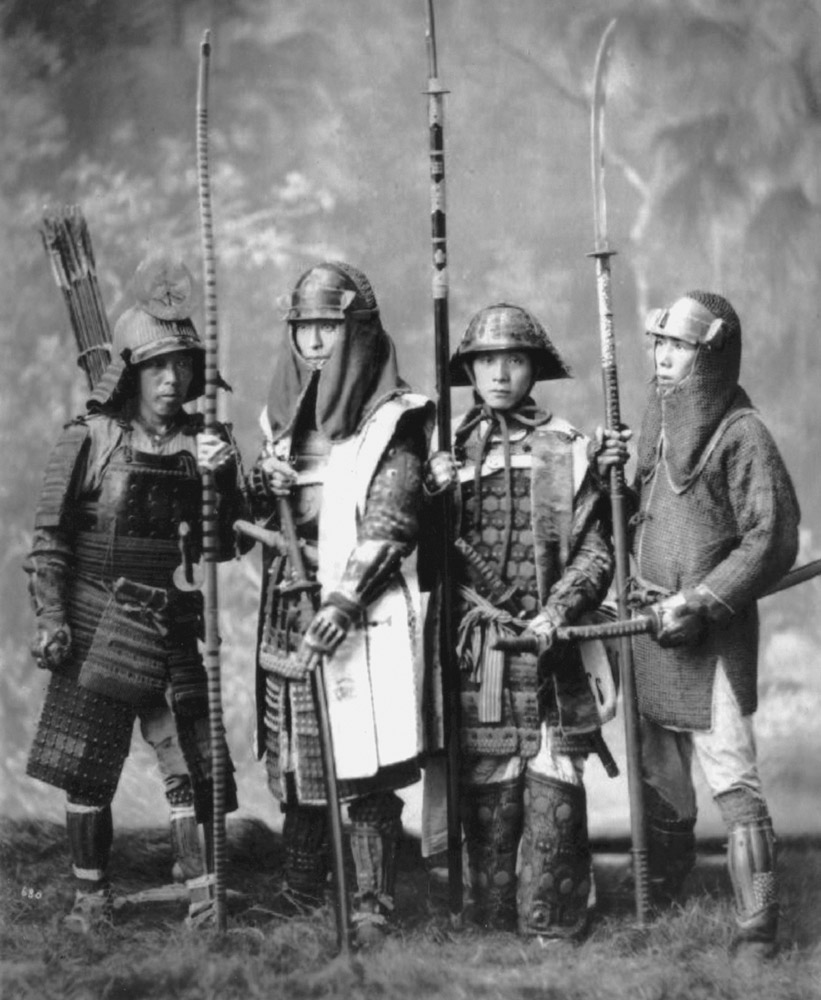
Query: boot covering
x,y
492,820
187,844
193,864
305,838
554,878
751,861
90,833
376,830
671,848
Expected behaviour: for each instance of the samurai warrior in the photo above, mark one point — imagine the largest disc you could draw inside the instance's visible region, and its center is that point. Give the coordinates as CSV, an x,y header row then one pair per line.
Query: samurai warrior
x,y
122,497
534,551
717,524
344,446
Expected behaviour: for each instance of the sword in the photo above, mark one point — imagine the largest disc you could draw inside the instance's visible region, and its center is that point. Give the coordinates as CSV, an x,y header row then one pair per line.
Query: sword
x,y
648,622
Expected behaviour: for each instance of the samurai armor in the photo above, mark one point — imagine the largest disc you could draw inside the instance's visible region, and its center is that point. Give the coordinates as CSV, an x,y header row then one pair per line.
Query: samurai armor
x,y
554,876
492,821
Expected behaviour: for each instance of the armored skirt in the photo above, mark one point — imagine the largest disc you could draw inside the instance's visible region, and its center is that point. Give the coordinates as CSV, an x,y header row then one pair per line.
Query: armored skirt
x,y
105,550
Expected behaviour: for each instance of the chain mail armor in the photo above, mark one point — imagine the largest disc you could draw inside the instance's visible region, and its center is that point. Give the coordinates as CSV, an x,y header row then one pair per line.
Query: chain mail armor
x,y
717,510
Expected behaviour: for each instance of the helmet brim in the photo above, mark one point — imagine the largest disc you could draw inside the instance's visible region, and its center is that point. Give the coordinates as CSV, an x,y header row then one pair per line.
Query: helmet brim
x,y
547,366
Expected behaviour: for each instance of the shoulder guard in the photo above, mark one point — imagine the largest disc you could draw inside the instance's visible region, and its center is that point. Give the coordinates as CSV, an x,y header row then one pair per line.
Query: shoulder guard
x,y
61,474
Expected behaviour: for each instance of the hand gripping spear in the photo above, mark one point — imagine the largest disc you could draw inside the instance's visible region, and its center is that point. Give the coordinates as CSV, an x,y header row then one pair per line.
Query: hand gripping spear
x,y
602,254
209,519
447,650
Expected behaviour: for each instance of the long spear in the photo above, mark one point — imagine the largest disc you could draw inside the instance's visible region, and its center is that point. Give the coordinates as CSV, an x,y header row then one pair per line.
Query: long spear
x,y
209,518
439,286
602,254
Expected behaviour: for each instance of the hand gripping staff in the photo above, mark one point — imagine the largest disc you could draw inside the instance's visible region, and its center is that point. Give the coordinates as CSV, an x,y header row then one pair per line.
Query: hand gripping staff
x,y
209,519
439,286
602,254
300,584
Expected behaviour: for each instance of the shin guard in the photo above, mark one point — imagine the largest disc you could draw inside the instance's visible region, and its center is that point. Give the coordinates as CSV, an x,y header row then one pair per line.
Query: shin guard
x,y
305,838
671,844
554,877
492,820
751,863
376,830
90,833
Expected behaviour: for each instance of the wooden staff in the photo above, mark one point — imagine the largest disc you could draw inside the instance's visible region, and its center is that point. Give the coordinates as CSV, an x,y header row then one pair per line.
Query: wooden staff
x,y
210,540
602,254
299,584
439,287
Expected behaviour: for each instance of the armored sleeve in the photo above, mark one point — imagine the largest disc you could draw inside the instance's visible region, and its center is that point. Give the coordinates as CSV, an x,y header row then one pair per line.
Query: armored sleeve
x,y
589,571
49,563
389,527
233,501
766,512
261,501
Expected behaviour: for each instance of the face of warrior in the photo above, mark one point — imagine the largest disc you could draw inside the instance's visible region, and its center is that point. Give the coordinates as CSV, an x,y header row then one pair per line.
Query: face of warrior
x,y
164,383
503,378
315,339
673,358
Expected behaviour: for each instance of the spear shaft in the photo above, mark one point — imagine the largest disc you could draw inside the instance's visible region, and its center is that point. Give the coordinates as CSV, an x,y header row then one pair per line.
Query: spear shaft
x,y
602,254
439,287
209,519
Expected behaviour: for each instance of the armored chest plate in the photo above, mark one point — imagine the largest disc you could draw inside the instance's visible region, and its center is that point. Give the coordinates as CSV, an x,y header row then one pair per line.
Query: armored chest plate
x,y
147,496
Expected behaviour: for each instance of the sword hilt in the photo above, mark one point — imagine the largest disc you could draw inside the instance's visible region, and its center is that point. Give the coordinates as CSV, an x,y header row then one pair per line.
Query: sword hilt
x,y
647,622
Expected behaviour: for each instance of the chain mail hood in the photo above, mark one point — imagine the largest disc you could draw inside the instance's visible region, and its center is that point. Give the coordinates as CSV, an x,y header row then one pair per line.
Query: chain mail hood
x,y
679,421
360,373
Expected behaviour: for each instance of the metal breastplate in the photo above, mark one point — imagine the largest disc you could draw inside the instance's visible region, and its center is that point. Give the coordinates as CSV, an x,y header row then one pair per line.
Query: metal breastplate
x,y
309,455
487,537
146,496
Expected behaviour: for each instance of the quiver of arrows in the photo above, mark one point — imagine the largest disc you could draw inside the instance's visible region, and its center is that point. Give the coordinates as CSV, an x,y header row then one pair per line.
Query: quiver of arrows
x,y
68,246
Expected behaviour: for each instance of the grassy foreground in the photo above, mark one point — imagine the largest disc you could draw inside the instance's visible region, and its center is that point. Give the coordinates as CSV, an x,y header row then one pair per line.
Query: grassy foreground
x,y
681,954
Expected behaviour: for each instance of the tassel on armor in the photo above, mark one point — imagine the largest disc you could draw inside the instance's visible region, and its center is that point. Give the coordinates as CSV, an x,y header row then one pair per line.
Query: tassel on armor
x,y
90,833
554,878
492,819
376,830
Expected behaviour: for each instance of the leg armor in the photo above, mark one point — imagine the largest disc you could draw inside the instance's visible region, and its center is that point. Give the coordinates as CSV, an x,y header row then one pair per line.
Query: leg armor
x,y
671,843
90,832
492,819
751,860
376,829
554,879
189,841
305,837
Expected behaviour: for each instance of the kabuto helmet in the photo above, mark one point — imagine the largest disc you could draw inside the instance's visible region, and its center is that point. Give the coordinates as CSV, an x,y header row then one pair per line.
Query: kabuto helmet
x,y
689,412
332,291
505,327
360,371
159,322
692,320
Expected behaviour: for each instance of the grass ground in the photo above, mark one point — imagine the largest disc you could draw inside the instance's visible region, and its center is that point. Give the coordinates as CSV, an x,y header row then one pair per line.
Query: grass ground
x,y
266,953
